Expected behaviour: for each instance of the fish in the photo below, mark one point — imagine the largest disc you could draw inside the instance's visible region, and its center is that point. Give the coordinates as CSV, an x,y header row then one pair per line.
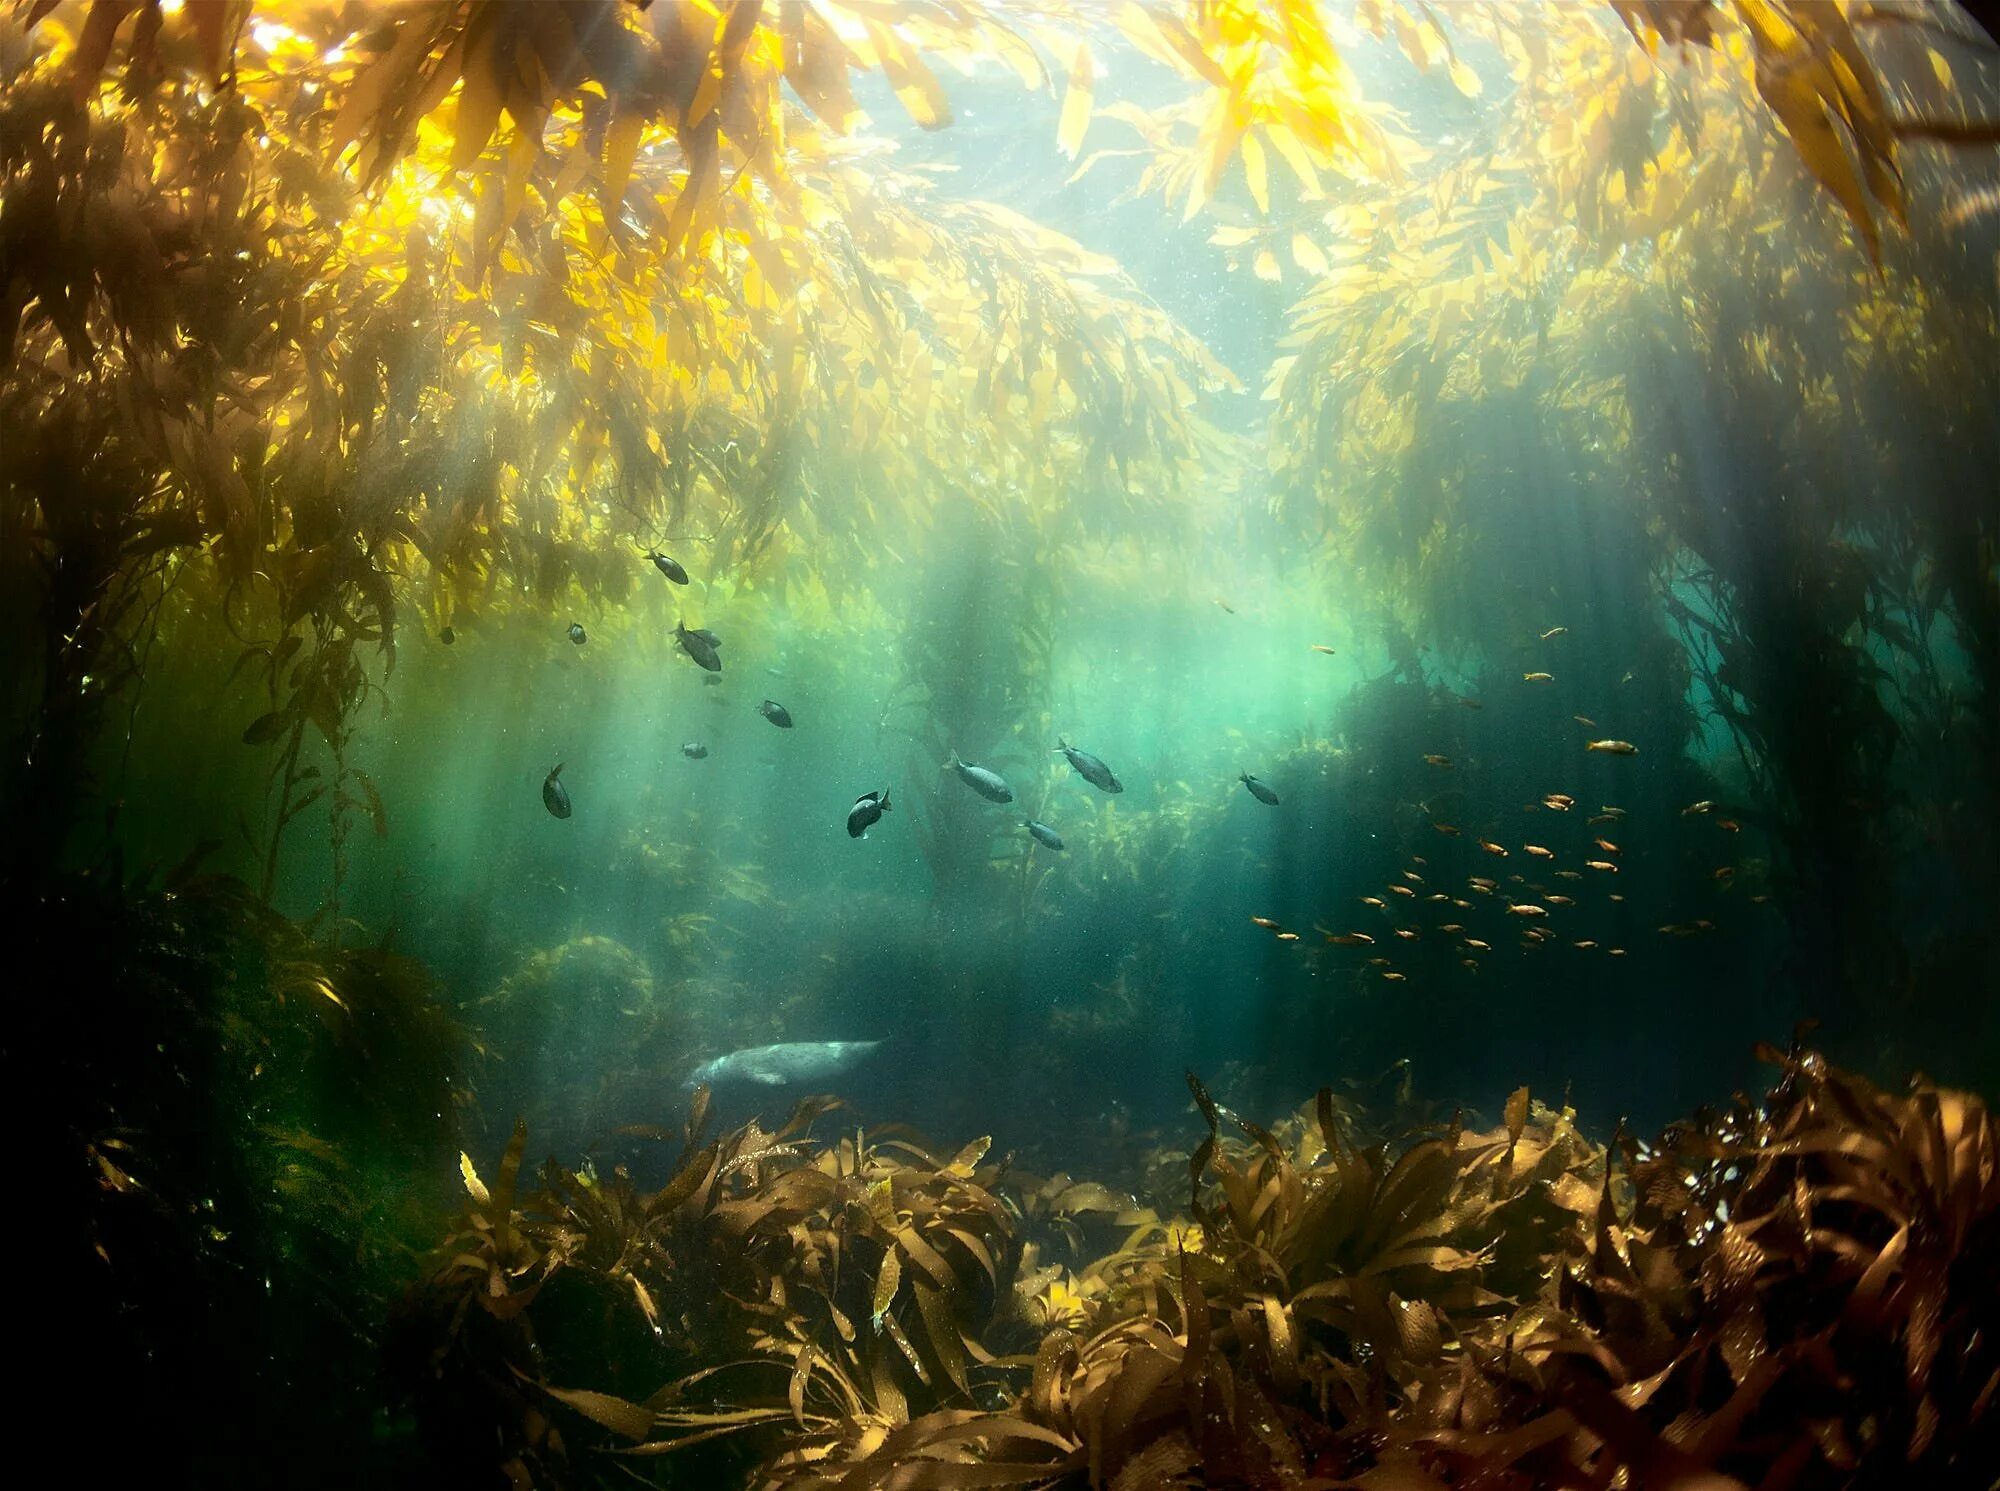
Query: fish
x,y
701,645
555,796
1725,872
1322,647
1406,933
1612,747
1600,864
1349,939
1401,890
1560,900
1538,851
1430,760
1729,825
1586,944
1413,877
1266,923
1089,767
1225,605
1538,678
1480,882
1259,790
694,750
1569,874
1492,848
783,1064
1617,952
1558,802
988,784
1449,830
1555,631
1376,901
1288,937
1527,908
1607,846
776,713
669,566
1397,978
1042,834
577,634
867,810
1484,947
1585,720
447,636
1704,806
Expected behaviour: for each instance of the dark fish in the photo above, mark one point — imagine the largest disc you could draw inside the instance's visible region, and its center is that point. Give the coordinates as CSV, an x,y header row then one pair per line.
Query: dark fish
x,y
1042,834
447,636
577,633
776,713
988,784
694,750
714,680
555,796
703,646
1090,769
867,810
669,566
1258,790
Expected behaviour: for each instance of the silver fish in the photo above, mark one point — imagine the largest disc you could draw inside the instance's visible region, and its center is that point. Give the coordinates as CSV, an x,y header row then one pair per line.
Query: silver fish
x,y
555,796
694,750
988,784
867,809
1259,790
1042,834
701,645
783,1064
1090,768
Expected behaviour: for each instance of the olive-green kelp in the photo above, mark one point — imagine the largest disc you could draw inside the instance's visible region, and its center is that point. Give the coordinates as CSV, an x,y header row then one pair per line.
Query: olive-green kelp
x,y
1794,1292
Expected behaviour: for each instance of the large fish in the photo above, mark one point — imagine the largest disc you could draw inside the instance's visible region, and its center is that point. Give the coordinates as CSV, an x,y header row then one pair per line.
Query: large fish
x,y
783,1064
1260,790
1090,768
667,565
702,645
867,810
555,796
988,784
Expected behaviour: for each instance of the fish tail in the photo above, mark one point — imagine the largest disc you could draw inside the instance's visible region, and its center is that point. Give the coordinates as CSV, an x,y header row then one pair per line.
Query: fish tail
x,y
557,772
885,799
1062,747
952,764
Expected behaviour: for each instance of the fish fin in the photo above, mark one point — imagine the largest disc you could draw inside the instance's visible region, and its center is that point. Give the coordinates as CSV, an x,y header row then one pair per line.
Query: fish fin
x,y
884,799
557,772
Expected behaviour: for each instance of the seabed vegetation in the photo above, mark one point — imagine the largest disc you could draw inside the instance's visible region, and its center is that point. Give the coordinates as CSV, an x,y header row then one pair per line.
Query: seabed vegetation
x,y
1557,446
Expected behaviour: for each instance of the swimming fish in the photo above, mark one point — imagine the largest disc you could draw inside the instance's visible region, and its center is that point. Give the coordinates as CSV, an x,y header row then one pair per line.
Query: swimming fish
x,y
1430,760
555,796
1558,802
1258,790
1322,647
1538,851
1089,767
669,566
988,784
776,713
1042,834
447,636
867,810
1554,631
1492,848
1612,747
1538,678
783,1064
1288,937
1266,923
694,750
577,634
1527,908
701,645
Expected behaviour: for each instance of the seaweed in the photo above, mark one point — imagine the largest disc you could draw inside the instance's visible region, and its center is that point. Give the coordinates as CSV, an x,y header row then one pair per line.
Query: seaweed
x,y
1795,1292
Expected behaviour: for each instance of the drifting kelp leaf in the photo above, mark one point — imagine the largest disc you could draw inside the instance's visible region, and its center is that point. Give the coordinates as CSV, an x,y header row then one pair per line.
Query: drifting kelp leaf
x,y
1516,1119
1075,121
474,1186
887,1281
687,1180
615,1414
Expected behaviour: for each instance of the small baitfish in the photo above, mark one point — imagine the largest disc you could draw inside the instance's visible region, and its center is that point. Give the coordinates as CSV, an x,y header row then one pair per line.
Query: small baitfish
x,y
783,1064
702,645
988,784
577,634
669,566
1090,768
555,796
694,750
1259,790
776,713
1042,834
866,812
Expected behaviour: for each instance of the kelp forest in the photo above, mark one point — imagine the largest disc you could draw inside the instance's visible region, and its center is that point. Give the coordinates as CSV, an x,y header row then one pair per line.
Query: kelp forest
x,y
1085,745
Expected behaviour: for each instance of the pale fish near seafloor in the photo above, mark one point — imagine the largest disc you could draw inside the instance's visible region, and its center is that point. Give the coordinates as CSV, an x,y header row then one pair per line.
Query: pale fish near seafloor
x,y
783,1064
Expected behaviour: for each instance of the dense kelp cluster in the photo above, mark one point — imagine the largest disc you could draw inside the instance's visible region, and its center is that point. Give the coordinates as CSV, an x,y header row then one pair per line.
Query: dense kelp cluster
x,y
1792,1292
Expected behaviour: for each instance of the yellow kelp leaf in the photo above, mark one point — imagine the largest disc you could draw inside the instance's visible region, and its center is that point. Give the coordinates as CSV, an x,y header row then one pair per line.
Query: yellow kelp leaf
x,y
474,1186
1165,39
1787,86
478,101
917,88
1465,79
1076,103
621,149
1265,267
1307,255
1254,172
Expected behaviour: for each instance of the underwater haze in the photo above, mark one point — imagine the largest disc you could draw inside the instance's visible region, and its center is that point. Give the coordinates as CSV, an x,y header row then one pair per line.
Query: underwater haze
x,y
1002,565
